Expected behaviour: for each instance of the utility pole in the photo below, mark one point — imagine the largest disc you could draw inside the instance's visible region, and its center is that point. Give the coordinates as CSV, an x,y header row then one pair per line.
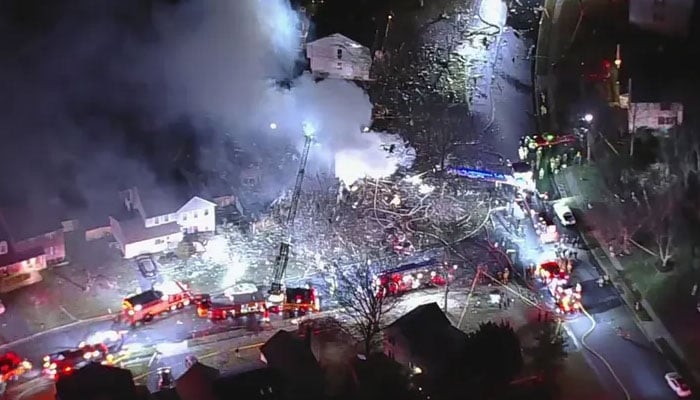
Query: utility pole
x,y
634,116
589,139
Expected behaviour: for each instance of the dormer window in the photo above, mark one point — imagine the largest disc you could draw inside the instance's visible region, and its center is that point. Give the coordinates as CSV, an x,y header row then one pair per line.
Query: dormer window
x,y
339,53
3,247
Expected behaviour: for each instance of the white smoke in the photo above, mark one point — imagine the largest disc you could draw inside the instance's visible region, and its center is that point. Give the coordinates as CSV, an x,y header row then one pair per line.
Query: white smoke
x,y
221,59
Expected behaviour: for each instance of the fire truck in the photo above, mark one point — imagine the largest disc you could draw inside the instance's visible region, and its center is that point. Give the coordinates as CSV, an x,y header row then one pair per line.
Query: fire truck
x,y
298,300
65,362
232,306
412,277
145,306
12,367
555,276
568,297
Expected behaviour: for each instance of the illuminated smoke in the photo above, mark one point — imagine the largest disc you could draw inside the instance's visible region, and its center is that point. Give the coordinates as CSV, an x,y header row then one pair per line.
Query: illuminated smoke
x,y
223,72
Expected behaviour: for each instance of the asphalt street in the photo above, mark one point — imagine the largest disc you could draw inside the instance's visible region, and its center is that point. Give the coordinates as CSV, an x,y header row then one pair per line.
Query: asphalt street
x,y
170,329
507,116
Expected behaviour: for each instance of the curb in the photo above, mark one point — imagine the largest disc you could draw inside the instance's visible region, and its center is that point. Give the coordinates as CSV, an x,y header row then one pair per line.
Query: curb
x,y
99,318
625,292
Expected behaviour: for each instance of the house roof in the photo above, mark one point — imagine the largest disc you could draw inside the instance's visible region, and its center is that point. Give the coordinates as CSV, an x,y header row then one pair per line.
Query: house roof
x,y
259,383
424,315
166,394
96,381
26,223
162,201
292,356
648,89
428,332
197,380
12,256
134,228
351,49
196,203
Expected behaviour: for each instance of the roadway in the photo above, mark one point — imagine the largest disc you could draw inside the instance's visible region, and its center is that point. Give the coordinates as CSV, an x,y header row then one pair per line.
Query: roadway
x,y
506,115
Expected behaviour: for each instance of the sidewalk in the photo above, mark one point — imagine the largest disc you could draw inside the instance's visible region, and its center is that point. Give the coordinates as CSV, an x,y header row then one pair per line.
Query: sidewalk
x,y
646,318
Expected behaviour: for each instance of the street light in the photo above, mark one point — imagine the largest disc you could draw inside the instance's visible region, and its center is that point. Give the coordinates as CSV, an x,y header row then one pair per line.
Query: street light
x,y
588,118
273,125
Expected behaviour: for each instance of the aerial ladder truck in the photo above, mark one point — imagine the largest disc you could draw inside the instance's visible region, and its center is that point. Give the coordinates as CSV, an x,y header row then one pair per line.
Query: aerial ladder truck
x,y
283,299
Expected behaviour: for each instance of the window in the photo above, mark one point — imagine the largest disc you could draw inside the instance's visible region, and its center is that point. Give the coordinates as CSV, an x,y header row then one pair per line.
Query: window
x,y
195,214
160,241
156,220
206,212
3,247
665,106
339,53
184,217
339,65
165,218
667,120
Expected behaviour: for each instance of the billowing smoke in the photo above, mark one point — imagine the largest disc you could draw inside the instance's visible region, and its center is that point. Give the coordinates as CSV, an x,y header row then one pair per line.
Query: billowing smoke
x,y
223,71
104,88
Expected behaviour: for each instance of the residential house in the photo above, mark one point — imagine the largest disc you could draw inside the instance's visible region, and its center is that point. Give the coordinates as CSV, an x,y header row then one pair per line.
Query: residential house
x,y
100,382
292,357
337,56
666,17
93,222
38,227
425,341
651,105
135,238
18,268
197,383
260,383
161,207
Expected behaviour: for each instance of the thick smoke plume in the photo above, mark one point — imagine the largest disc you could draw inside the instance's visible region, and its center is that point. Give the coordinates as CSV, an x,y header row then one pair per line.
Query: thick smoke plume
x,y
101,91
224,71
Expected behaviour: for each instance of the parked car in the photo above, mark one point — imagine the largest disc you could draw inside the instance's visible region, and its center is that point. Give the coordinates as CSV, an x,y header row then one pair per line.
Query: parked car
x,y
678,384
563,212
147,266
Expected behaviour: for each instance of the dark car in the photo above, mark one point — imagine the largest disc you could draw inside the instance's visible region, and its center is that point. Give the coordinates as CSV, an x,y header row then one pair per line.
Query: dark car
x,y
147,266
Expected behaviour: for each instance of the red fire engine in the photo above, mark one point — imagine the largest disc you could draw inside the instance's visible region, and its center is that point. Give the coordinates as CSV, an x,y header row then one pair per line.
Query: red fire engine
x,y
65,362
12,367
557,279
297,301
568,297
413,276
232,306
145,306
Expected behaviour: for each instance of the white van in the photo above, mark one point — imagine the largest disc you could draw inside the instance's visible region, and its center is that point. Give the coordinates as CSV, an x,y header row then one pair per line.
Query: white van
x,y
563,212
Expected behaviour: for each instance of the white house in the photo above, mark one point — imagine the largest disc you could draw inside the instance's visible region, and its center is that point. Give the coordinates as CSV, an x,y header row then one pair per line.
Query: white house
x,y
134,238
337,56
659,117
667,17
157,207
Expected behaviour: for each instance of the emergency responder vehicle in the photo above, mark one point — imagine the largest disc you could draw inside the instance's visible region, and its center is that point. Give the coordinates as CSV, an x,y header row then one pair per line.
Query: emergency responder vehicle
x,y
232,306
12,367
65,362
145,306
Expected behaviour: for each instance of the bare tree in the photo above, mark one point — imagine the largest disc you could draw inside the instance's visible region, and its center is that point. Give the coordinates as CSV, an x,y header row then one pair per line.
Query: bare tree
x,y
660,225
364,302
